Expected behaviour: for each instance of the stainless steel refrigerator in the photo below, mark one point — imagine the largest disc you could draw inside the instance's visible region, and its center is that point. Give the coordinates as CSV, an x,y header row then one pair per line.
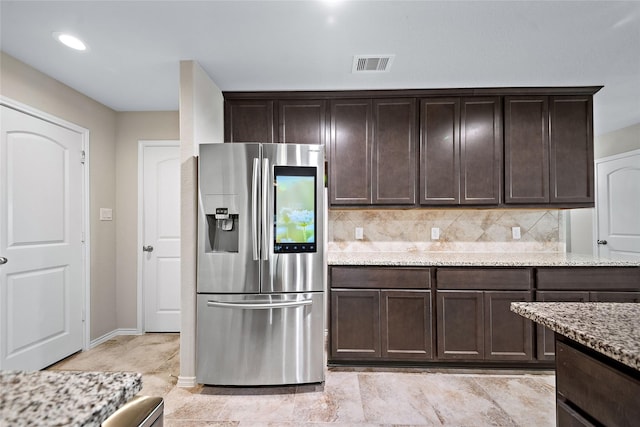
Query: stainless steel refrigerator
x,y
261,267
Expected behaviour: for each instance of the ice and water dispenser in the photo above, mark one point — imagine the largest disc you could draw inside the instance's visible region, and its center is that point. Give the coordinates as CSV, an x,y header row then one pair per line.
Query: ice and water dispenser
x,y
223,230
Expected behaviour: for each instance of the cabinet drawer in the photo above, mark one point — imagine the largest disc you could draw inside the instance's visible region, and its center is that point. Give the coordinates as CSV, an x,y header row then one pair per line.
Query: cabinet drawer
x,y
589,278
603,392
567,417
380,277
484,278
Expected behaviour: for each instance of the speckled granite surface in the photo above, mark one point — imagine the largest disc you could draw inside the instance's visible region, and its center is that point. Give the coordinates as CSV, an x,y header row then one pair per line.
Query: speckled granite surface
x,y
63,398
453,259
609,328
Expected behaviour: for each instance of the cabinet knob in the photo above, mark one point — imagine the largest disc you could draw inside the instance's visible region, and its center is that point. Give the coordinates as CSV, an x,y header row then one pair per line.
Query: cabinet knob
x,y
147,248
602,242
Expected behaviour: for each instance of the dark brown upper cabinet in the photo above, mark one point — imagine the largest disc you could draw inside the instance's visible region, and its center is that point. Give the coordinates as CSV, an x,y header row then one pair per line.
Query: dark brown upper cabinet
x,y
548,150
394,152
249,121
372,152
571,149
505,147
481,151
460,151
302,121
439,151
350,152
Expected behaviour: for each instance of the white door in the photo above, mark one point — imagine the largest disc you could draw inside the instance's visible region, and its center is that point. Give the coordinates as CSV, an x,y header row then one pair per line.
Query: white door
x,y
41,225
618,206
161,235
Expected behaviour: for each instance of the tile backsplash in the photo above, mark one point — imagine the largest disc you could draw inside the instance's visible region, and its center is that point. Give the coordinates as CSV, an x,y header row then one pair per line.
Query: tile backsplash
x,y
461,230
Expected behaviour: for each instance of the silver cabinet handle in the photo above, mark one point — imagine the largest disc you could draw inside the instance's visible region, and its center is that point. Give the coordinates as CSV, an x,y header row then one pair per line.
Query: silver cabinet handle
x,y
259,305
602,242
3,260
148,248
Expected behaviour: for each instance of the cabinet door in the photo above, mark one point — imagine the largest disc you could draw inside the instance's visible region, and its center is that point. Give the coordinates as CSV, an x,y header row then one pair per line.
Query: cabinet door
x,y
508,336
526,149
302,121
481,151
406,325
545,337
608,296
439,151
571,149
350,152
355,324
394,152
248,121
460,325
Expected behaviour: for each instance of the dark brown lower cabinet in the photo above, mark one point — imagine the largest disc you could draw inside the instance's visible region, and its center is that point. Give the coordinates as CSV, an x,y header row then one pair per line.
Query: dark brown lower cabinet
x,y
405,325
460,323
355,324
479,325
593,389
400,314
374,324
508,336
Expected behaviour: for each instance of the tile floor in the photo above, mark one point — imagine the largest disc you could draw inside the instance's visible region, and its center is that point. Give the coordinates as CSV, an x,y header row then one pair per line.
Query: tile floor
x,y
349,397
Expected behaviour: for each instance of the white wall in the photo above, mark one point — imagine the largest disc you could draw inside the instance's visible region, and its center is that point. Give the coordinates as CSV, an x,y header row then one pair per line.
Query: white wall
x,y
201,119
581,238
23,83
132,127
113,143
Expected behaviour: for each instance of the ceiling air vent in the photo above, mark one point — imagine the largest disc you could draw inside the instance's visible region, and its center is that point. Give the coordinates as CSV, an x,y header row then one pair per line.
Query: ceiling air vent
x,y
372,63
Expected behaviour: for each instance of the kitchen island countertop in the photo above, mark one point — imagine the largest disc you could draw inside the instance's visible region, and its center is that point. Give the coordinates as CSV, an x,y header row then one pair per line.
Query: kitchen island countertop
x,y
473,259
63,397
608,328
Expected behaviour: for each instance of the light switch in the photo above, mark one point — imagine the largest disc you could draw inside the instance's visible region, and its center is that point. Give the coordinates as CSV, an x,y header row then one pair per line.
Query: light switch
x,y
106,214
515,233
359,233
435,233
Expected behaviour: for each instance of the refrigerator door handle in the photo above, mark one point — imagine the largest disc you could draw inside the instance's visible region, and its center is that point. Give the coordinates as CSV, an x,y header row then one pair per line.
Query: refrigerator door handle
x,y
266,178
259,306
255,179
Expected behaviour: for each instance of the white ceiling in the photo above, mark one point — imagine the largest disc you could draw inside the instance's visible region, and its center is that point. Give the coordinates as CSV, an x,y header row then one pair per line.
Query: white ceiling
x,y
135,47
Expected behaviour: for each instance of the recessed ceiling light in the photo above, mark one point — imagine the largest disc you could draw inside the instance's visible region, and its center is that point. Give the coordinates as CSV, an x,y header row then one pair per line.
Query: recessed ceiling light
x,y
70,41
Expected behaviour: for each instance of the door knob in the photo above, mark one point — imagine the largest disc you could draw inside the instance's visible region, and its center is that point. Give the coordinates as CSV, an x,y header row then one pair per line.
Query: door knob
x,y
3,260
147,248
602,242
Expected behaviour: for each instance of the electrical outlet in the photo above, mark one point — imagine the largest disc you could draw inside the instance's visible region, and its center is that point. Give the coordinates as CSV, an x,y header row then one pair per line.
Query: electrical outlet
x,y
359,233
515,233
435,233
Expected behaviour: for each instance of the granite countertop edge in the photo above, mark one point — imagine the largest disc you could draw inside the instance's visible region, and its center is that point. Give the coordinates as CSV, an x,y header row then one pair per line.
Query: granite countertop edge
x,y
64,397
590,324
472,259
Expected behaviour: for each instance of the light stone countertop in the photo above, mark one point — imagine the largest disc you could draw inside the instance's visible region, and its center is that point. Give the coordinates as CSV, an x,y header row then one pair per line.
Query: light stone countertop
x,y
63,398
464,259
608,328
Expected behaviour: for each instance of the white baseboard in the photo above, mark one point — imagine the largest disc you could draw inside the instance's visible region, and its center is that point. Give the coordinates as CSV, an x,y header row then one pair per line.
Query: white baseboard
x,y
186,382
116,332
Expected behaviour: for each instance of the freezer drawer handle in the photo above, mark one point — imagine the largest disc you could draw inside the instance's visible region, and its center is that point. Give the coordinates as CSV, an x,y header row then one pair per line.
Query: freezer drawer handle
x,y
259,306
